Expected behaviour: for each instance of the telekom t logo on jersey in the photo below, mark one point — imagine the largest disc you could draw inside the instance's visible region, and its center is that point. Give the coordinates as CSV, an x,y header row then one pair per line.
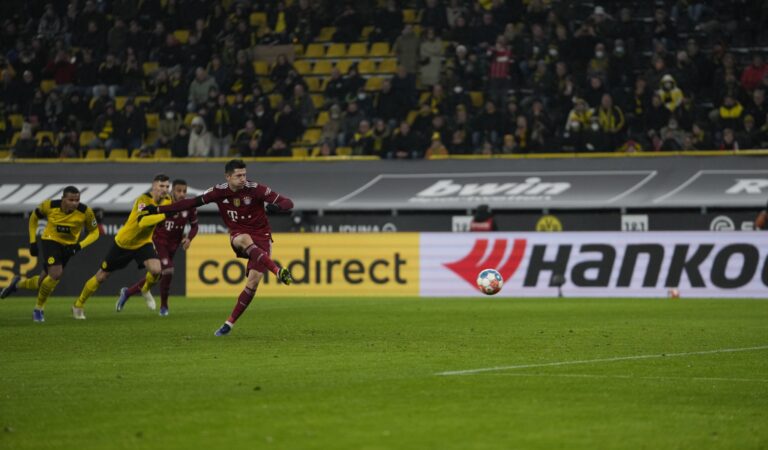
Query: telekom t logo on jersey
x,y
232,214
469,266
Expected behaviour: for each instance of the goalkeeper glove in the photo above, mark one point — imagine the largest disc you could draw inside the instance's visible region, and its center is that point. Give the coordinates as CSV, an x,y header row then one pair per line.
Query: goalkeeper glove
x,y
272,208
33,248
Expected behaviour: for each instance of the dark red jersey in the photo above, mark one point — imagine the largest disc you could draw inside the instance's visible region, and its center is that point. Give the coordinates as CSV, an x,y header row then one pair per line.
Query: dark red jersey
x,y
170,232
243,211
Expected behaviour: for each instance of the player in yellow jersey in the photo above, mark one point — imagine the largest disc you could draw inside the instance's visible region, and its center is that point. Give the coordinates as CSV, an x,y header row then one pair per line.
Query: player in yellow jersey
x,y
60,241
133,242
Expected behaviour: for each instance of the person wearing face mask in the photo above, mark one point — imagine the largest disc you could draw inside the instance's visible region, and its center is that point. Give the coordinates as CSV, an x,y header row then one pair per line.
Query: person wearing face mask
x,y
600,63
618,65
167,128
597,140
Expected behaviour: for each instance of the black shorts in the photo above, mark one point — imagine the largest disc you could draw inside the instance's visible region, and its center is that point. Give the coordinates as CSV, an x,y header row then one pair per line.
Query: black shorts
x,y
54,253
119,257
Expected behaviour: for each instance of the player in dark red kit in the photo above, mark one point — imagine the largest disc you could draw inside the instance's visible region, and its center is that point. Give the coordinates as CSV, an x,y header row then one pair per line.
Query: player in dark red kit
x,y
167,237
242,205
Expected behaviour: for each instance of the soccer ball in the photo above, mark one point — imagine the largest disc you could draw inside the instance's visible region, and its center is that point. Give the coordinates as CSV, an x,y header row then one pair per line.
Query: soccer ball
x,y
489,281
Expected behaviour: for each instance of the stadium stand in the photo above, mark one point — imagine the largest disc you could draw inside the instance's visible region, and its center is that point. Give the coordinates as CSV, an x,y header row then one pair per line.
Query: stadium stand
x,y
482,77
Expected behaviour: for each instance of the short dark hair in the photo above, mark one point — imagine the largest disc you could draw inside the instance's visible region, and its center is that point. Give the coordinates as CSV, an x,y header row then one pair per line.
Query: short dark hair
x,y
161,177
234,164
70,190
179,181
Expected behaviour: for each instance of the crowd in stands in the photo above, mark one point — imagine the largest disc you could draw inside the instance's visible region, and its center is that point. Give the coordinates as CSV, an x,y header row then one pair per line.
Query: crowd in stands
x,y
182,77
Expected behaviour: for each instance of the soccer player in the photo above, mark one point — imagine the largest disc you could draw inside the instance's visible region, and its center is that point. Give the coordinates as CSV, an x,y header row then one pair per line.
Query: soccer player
x,y
242,205
168,237
60,241
133,242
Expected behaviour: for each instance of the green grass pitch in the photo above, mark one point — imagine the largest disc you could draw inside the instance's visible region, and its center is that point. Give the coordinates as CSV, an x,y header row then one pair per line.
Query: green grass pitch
x,y
333,373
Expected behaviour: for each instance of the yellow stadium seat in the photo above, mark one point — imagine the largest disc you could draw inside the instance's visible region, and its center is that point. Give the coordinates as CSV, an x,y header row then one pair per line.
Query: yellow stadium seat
x,y
261,68
366,66
163,153
303,67
312,135
315,51
336,51
477,98
120,102
411,117
136,153
142,99
344,64
423,97
118,153
374,83
275,100
322,118
152,120
300,152
315,84
298,49
323,67
380,50
40,135
388,65
47,85
188,118
17,121
5,154
150,66
182,36
95,154
326,34
409,15
231,100
151,137
15,138
344,151
258,19
358,50
267,85
417,30
367,30
318,100
86,137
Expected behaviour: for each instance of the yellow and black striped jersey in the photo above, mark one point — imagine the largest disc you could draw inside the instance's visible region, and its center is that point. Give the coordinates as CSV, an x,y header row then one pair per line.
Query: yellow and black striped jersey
x,y
138,228
64,228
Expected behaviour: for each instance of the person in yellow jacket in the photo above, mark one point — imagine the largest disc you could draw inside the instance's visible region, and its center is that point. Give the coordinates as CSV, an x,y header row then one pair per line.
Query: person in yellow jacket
x,y
671,95
133,242
60,240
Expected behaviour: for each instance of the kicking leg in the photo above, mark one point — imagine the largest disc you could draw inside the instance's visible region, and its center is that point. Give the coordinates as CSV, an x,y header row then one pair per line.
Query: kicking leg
x,y
165,289
154,272
91,286
243,300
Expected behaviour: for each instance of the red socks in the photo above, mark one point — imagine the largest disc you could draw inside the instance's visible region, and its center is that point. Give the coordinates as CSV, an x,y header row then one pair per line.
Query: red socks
x,y
243,300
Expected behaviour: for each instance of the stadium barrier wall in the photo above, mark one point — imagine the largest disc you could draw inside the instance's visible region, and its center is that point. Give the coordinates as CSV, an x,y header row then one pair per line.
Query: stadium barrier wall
x,y
605,264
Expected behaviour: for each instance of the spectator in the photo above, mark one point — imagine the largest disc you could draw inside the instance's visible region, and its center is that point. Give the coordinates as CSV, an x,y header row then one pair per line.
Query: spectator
x,y
110,74
199,88
106,126
288,126
180,143
729,141
303,105
335,88
749,137
406,50
362,141
671,96
222,127
405,144
487,125
199,139
611,119
381,137
431,54
247,140
752,76
350,123
500,69
388,105
436,147
333,126
279,148
168,128
729,114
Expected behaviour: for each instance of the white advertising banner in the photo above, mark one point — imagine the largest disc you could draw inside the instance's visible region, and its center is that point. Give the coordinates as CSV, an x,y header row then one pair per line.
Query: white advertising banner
x,y
598,264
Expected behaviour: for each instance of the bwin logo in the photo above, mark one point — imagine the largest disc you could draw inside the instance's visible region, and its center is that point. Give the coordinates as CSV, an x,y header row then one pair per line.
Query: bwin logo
x,y
469,266
532,186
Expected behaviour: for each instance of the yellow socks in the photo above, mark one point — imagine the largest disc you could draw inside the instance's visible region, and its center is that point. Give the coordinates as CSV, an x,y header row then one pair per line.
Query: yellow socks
x,y
30,284
90,287
149,281
47,286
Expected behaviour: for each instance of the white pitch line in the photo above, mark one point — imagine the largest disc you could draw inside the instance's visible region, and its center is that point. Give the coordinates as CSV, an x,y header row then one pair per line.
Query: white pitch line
x,y
586,375
599,360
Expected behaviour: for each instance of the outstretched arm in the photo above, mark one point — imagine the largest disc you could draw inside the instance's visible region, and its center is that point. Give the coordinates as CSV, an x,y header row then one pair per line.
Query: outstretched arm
x,y
182,205
275,202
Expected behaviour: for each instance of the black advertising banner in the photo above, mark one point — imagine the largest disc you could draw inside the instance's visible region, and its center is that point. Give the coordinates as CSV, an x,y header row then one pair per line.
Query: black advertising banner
x,y
580,183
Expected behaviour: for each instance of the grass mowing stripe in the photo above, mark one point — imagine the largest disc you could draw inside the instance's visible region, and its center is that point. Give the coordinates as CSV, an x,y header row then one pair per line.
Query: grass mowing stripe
x,y
599,360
